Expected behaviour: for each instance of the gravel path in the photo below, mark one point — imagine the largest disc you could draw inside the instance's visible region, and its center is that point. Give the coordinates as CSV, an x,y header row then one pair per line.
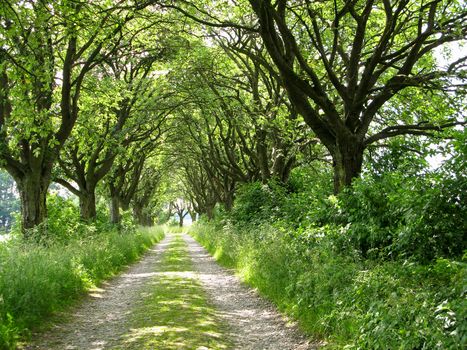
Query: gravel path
x,y
99,322
254,322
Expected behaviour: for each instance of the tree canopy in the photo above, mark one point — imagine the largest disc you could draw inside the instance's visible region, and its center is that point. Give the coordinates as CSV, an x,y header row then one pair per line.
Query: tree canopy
x,y
103,97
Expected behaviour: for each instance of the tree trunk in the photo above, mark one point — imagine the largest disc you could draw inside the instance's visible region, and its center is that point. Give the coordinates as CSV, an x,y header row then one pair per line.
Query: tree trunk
x,y
262,153
181,218
192,215
33,192
139,215
347,163
228,200
87,205
148,221
114,210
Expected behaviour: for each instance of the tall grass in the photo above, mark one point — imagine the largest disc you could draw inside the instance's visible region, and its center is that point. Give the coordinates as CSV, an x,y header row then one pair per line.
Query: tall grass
x,y
37,280
347,301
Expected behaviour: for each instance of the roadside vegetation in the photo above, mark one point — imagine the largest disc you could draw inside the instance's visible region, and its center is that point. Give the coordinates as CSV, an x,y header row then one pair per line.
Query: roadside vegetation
x,y
380,266
40,278
322,144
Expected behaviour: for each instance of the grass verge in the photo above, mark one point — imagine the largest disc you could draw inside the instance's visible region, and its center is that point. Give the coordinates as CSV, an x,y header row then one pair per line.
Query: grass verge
x,y
37,280
175,314
349,302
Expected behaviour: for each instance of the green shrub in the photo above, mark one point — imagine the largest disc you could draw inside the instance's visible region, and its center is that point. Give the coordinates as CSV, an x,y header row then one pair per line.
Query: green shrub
x,y
257,201
379,266
394,216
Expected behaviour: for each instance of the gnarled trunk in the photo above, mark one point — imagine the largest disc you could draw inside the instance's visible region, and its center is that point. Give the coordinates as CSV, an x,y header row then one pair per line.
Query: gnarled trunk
x,y
33,192
347,163
87,205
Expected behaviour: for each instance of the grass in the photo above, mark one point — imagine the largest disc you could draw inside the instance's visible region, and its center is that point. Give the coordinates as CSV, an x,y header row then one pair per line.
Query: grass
x,y
345,301
175,313
37,281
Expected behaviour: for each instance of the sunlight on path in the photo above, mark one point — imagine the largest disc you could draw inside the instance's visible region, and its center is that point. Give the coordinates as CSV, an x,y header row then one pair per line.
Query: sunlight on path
x,y
174,313
254,323
176,297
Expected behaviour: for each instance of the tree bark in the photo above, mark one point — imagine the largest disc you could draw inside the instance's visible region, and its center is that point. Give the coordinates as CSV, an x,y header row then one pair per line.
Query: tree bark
x,y
33,192
114,210
181,218
141,217
347,163
124,205
210,212
192,215
87,205
262,153
148,221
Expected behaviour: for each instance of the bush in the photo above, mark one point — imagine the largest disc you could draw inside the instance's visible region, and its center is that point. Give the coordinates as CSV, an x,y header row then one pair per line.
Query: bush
x,y
404,217
257,202
379,266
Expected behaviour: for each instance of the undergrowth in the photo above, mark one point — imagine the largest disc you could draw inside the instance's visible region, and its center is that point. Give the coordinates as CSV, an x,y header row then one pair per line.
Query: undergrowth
x,y
349,302
380,266
38,279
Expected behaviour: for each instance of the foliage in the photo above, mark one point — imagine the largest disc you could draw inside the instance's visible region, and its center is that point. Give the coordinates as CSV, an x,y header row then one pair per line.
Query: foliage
x,y
381,265
352,303
64,223
400,214
38,280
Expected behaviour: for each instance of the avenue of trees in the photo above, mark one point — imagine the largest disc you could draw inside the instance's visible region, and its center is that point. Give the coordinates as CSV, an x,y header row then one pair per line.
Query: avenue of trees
x,y
319,144
112,99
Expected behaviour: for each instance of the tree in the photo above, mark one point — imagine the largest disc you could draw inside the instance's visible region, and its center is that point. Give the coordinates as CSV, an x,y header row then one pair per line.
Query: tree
x,y
111,115
143,199
181,208
342,61
239,126
46,51
124,178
